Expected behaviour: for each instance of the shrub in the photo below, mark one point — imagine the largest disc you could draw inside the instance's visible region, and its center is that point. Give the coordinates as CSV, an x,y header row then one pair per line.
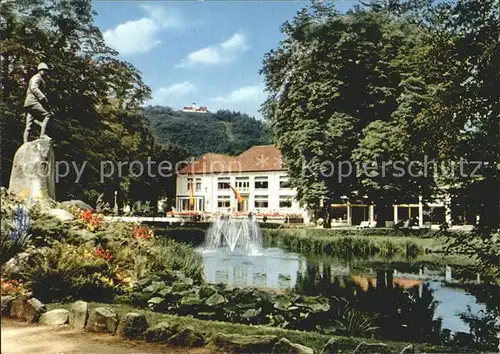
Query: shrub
x,y
355,323
92,221
167,255
93,287
142,232
190,235
12,287
139,253
345,243
47,228
485,250
63,272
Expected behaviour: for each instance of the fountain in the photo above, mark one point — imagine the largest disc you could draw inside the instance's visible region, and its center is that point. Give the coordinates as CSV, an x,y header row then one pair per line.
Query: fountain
x,y
243,234
233,253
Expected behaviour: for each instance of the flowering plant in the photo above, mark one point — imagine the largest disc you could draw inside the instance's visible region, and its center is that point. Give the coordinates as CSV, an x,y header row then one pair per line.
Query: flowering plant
x,y
21,223
102,253
142,232
121,280
104,279
12,287
92,220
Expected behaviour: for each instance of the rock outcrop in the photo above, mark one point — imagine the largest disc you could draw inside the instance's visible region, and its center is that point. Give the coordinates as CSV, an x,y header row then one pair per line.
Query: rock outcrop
x,y
102,319
60,214
55,317
132,325
371,348
33,171
188,337
6,304
75,203
17,308
284,346
161,332
79,314
33,309
244,344
14,265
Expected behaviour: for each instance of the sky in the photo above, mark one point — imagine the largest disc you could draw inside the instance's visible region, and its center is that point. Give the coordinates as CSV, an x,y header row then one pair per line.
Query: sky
x,y
203,52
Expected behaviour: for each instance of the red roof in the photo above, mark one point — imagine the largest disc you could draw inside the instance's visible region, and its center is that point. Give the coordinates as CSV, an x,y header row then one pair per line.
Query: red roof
x,y
257,158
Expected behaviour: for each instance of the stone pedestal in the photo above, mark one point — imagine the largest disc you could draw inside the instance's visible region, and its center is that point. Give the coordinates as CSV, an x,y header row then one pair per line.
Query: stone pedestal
x,y
33,171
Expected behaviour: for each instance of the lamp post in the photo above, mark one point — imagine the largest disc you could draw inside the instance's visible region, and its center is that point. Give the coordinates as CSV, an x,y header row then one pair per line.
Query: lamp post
x,y
116,202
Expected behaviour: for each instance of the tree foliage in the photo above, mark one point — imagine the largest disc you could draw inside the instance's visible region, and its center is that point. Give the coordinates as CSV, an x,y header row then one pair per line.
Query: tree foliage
x,y
390,81
412,81
95,97
336,83
225,132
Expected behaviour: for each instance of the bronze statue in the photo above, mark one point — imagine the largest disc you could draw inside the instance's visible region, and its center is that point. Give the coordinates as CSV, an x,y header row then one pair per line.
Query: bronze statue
x,y
36,103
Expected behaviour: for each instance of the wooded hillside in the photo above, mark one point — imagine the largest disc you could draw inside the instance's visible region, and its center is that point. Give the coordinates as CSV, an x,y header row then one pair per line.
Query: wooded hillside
x,y
222,132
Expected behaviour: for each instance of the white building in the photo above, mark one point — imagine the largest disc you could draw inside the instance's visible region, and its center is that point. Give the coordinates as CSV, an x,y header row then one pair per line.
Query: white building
x,y
195,109
257,175
260,178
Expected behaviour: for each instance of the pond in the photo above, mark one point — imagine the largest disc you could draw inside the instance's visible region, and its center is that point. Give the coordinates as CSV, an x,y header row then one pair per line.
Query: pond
x,y
423,305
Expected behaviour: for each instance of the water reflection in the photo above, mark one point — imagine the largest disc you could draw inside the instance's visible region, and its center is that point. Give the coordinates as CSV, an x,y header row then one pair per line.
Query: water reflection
x,y
484,324
402,306
272,268
413,310
400,309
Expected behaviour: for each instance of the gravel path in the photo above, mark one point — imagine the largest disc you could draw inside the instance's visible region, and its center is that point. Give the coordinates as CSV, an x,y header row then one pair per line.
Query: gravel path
x,y
20,337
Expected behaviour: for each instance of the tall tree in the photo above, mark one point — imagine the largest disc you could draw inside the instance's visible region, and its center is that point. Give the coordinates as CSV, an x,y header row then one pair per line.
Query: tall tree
x,y
463,121
334,78
95,96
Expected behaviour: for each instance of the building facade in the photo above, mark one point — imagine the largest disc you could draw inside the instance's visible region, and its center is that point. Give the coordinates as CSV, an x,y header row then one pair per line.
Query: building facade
x,y
213,183
256,181
195,109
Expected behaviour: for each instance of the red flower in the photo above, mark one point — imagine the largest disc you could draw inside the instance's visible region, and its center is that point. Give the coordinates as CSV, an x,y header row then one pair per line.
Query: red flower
x,y
102,253
142,232
92,220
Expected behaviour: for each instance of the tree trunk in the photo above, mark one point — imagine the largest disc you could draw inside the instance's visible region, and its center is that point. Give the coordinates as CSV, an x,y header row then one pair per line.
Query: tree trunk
x,y
327,215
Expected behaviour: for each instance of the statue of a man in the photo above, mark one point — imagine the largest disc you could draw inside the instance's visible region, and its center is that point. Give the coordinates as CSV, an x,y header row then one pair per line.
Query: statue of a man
x,y
36,103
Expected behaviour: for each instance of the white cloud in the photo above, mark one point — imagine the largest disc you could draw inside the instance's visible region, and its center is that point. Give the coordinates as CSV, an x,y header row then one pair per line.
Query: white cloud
x,y
246,99
245,93
142,35
160,15
216,54
167,95
236,42
206,56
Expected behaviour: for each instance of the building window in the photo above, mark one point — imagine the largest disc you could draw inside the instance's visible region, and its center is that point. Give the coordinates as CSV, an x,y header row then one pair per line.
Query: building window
x,y
224,201
223,183
261,183
184,204
198,185
188,185
284,182
285,202
261,202
242,184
